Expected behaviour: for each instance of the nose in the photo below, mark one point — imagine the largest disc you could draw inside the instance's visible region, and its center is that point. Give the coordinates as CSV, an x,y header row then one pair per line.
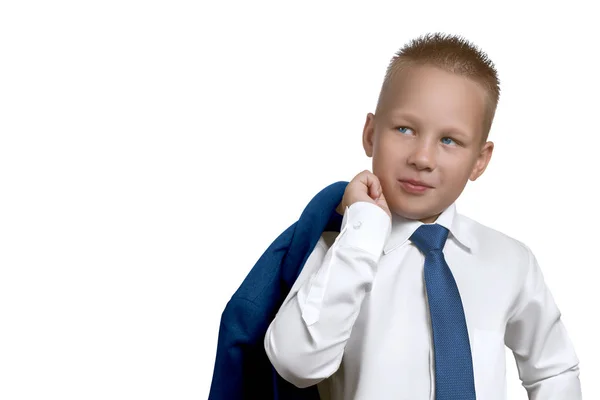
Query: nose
x,y
423,155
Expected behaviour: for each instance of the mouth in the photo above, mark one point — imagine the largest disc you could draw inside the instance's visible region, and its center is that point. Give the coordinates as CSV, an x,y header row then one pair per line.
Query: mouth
x,y
416,187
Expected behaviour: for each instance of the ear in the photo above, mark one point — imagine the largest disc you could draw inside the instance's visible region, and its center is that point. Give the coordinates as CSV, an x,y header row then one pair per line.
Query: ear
x,y
369,134
483,159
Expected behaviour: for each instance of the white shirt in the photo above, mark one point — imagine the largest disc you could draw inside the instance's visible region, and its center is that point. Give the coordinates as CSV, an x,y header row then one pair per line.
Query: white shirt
x,y
356,322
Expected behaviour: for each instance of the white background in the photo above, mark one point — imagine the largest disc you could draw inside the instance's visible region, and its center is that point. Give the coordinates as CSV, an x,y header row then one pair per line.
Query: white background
x,y
150,152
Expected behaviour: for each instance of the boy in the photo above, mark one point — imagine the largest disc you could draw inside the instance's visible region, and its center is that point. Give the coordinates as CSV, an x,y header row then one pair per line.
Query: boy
x,y
412,300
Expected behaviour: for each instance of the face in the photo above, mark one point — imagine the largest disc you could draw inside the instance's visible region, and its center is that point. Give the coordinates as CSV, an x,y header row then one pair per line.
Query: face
x,y
428,129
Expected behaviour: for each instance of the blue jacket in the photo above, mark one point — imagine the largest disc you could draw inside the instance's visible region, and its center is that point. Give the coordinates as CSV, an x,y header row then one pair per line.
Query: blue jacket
x,y
242,368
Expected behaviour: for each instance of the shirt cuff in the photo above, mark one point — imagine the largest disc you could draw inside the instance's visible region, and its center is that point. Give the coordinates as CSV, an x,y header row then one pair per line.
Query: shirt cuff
x,y
365,226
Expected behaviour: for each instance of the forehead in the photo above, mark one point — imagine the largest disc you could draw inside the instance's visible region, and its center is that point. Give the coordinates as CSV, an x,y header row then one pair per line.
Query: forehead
x,y
436,97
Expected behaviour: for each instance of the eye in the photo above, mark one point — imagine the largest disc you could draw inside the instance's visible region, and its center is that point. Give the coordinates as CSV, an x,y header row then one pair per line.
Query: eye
x,y
404,129
448,141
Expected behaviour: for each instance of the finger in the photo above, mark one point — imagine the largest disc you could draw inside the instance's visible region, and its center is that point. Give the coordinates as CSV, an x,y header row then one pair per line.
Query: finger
x,y
372,183
375,187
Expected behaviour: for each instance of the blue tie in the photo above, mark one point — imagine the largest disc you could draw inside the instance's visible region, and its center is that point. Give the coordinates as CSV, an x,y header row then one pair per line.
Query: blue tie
x,y
453,363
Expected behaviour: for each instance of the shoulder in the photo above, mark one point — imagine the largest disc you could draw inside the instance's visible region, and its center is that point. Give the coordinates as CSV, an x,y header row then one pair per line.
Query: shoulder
x,y
495,244
502,259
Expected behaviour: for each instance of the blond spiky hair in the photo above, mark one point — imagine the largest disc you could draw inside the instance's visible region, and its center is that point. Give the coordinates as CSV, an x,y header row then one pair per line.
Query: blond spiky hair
x,y
451,53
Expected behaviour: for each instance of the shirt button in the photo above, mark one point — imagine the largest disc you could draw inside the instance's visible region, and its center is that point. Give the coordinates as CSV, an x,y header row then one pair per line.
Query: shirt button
x,y
357,225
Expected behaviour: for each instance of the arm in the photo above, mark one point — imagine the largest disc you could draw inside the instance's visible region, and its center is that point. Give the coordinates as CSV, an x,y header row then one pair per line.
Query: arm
x,y
547,363
306,339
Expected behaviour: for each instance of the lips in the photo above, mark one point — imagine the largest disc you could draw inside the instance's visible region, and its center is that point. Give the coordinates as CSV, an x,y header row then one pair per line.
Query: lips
x,y
416,183
414,187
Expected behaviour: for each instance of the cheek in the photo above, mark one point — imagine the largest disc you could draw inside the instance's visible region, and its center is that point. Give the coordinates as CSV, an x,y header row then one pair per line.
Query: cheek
x,y
390,148
455,172
387,161
380,151
462,174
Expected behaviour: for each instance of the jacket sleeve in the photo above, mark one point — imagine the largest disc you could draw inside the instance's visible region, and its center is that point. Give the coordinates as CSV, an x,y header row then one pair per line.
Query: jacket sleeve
x,y
305,342
235,351
242,368
545,357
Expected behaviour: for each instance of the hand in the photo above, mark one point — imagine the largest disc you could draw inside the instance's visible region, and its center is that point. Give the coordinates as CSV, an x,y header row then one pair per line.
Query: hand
x,y
364,187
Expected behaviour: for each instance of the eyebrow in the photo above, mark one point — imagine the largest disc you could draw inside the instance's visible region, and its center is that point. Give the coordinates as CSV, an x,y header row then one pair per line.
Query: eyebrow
x,y
410,117
413,119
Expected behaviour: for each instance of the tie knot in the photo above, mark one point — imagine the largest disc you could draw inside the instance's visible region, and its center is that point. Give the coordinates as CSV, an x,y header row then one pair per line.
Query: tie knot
x,y
430,237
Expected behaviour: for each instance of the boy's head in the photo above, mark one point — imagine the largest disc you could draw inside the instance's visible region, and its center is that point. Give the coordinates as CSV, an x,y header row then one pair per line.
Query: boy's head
x,y
431,124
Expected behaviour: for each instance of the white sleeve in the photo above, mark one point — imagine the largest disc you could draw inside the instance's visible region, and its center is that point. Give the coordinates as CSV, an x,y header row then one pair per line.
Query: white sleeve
x,y
545,357
305,342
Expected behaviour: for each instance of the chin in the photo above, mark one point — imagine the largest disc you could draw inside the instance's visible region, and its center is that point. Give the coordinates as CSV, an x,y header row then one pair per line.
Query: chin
x,y
409,214
415,212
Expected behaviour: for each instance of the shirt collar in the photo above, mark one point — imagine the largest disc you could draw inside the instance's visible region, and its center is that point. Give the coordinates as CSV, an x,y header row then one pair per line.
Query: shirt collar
x,y
403,228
